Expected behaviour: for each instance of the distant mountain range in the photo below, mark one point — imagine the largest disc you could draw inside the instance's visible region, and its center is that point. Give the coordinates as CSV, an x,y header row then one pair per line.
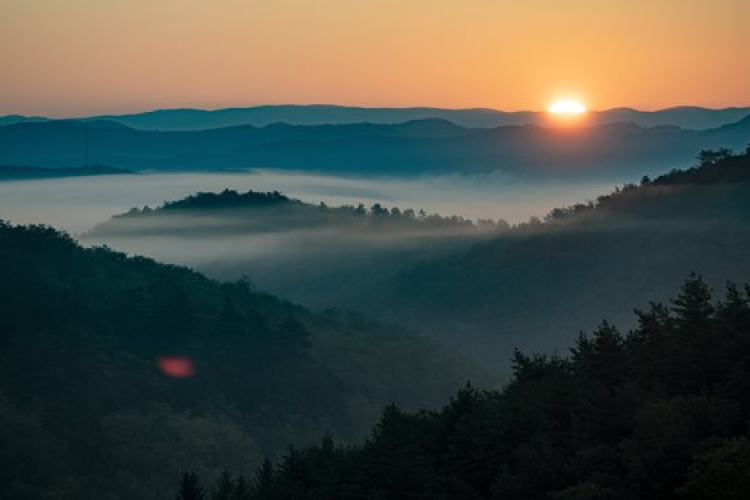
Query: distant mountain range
x,y
411,148
24,172
689,117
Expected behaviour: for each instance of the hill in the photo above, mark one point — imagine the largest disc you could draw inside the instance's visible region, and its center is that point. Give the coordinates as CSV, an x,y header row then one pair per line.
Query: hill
x,y
658,413
689,117
116,370
525,287
288,247
413,148
232,214
486,289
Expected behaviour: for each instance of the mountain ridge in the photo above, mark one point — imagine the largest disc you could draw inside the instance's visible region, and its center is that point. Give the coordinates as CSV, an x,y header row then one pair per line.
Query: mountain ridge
x,y
24,172
693,117
413,148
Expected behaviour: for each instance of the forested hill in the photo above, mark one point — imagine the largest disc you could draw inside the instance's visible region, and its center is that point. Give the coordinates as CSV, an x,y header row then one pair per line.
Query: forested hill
x,y
658,413
531,286
662,196
115,372
233,213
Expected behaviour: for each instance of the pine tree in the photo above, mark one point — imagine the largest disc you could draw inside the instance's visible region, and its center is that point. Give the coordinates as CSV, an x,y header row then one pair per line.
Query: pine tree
x,y
264,483
190,488
224,487
241,489
693,305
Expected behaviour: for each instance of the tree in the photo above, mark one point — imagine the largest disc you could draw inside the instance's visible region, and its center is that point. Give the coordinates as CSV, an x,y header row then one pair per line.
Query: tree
x,y
709,157
693,305
242,490
224,488
601,356
190,488
263,486
720,471
624,417
378,211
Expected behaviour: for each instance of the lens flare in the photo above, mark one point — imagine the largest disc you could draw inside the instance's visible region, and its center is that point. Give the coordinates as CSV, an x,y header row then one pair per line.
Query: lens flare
x,y
176,366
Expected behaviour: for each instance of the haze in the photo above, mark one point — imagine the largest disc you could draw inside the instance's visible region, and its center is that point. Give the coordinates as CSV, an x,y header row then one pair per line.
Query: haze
x,y
77,204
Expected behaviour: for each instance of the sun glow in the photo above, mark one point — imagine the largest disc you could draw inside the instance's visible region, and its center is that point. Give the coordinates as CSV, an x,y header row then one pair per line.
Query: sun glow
x,y
567,107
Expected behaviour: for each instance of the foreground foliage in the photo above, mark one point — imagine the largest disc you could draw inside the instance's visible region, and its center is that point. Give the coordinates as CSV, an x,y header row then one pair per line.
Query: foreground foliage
x,y
658,413
85,411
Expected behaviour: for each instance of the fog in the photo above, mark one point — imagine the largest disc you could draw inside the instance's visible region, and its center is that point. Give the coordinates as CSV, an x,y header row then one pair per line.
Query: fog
x,y
78,204
320,267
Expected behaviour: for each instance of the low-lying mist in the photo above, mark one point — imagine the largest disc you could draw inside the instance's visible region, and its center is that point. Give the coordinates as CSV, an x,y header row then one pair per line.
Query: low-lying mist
x,y
485,290
480,287
336,266
77,204
321,268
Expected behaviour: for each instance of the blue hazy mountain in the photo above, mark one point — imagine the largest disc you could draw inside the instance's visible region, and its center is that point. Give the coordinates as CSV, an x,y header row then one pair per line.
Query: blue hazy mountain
x,y
12,119
690,117
26,172
412,148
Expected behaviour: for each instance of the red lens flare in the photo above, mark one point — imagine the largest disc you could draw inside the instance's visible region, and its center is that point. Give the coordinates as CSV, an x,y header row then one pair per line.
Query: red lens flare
x,y
176,366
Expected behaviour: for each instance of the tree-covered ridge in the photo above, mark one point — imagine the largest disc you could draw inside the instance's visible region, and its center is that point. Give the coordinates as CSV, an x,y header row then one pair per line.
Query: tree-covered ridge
x,y
660,412
582,263
230,203
234,213
85,411
277,211
714,167
226,199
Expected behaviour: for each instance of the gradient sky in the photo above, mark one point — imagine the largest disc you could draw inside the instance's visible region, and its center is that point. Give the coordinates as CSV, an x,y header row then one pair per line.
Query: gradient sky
x,y
79,57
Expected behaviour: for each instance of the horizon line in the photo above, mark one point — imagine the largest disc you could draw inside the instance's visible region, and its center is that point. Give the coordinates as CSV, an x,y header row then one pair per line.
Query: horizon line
x,y
345,106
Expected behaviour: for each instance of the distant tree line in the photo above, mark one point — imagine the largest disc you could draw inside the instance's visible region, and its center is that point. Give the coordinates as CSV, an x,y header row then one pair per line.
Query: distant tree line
x,y
281,206
714,167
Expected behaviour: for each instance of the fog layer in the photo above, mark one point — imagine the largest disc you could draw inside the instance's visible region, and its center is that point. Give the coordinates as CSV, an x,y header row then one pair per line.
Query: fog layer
x,y
77,204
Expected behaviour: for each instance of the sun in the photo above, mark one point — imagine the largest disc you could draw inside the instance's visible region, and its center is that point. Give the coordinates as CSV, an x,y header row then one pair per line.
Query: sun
x,y
567,107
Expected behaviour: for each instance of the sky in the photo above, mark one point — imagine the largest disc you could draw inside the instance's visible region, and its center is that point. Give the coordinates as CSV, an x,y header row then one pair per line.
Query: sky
x,y
84,57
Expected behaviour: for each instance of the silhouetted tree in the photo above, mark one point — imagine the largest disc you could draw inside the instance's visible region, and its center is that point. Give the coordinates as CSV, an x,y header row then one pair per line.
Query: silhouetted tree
x,y
263,486
190,488
224,488
624,417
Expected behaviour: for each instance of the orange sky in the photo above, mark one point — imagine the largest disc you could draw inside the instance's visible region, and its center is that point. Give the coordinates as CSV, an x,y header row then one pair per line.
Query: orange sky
x,y
77,57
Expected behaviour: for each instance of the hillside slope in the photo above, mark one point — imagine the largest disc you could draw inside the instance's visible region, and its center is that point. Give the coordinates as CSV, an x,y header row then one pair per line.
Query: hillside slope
x,y
120,369
529,286
659,413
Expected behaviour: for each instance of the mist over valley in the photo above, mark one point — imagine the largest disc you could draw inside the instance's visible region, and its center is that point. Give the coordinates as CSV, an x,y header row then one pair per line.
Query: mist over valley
x,y
374,250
